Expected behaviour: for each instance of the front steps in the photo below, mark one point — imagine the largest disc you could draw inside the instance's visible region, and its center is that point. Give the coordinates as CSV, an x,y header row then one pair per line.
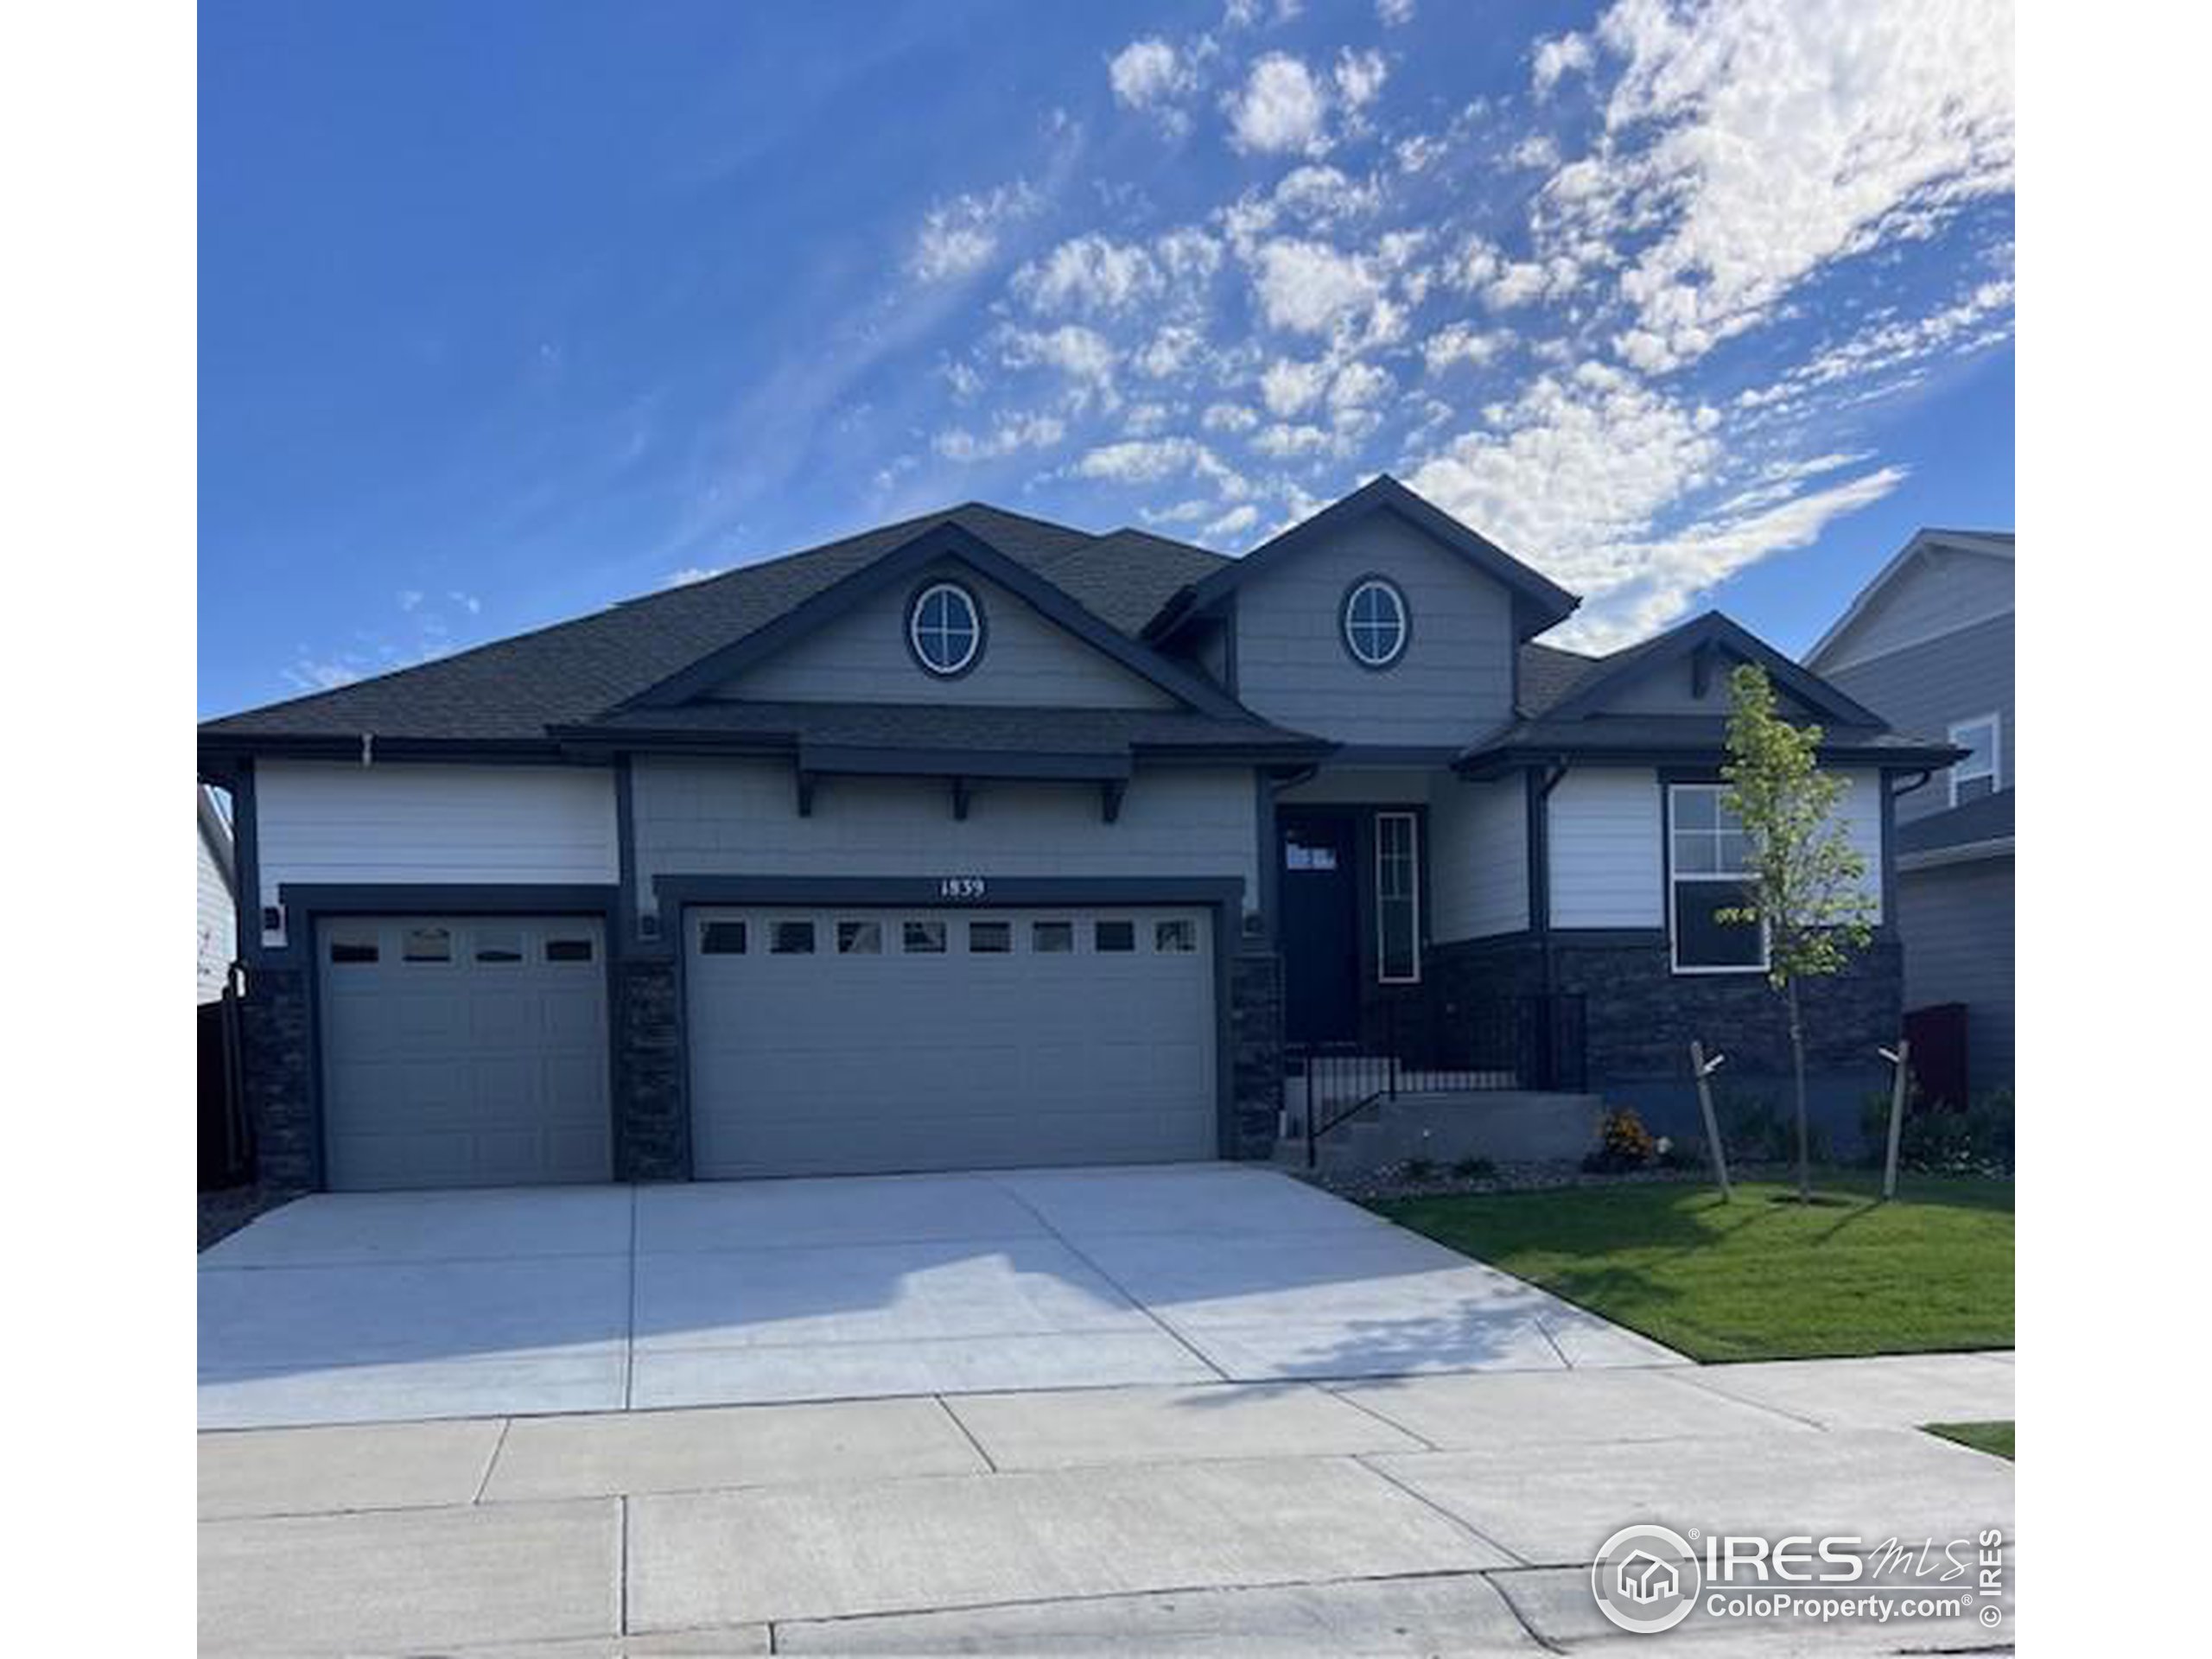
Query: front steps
x,y
1504,1125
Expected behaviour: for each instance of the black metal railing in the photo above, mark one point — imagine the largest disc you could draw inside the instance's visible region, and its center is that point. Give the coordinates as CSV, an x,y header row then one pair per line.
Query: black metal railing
x,y
1427,1044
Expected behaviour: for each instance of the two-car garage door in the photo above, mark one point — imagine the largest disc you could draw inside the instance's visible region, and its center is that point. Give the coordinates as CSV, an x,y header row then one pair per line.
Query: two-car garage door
x,y
854,1040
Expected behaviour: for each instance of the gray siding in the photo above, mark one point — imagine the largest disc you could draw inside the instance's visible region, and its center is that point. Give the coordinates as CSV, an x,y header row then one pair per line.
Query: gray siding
x,y
1479,859
1924,689
741,817
1941,590
1957,922
1454,680
1671,689
862,657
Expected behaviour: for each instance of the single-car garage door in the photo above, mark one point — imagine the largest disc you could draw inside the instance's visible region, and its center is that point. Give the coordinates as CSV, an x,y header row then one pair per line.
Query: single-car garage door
x,y
464,1051
829,1041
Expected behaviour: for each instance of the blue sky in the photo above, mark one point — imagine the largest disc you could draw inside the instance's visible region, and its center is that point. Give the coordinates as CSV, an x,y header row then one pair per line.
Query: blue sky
x,y
510,310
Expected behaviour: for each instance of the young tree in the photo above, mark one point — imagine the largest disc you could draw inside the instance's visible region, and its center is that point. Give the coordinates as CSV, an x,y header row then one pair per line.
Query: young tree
x,y
1808,883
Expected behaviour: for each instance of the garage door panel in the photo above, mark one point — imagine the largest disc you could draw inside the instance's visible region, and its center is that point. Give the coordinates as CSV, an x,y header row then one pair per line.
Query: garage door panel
x,y
899,1059
487,1068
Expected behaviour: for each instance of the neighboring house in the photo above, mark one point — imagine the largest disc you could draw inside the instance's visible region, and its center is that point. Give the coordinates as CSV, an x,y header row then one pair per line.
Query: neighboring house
x,y
981,840
218,917
1929,643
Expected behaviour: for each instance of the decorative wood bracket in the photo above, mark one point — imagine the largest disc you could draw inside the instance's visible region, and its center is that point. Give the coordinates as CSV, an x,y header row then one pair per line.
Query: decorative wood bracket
x,y
963,791
806,783
1109,798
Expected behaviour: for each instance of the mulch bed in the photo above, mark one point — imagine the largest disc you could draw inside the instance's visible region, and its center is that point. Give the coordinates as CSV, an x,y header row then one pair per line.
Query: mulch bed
x,y
1393,1182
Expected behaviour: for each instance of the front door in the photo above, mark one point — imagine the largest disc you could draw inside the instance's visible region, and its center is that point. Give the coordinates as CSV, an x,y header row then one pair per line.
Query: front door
x,y
1320,927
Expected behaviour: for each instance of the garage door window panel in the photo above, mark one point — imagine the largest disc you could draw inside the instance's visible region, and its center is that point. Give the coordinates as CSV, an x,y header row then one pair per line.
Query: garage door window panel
x,y
353,949
1109,939
990,939
860,939
426,944
498,948
1052,939
790,940
721,939
568,949
923,938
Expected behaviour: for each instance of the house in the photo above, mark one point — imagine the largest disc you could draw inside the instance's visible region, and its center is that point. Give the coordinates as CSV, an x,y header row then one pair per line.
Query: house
x,y
218,917
1929,643
977,839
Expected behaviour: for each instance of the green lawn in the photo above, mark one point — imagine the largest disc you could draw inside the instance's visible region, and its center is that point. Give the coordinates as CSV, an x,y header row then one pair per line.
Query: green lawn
x,y
1755,1278
1996,1438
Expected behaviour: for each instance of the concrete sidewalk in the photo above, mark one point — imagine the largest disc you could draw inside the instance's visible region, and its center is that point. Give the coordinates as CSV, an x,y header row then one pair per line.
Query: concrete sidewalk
x,y
1416,1515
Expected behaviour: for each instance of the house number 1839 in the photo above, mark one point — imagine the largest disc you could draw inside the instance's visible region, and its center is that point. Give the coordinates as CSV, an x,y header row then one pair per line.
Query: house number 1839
x,y
961,886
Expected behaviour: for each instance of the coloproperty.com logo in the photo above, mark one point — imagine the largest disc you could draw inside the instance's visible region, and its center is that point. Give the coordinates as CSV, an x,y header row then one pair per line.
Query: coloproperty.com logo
x,y
1648,1578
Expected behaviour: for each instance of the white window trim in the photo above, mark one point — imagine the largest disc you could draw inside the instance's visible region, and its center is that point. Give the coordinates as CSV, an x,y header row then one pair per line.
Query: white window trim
x,y
1411,820
1380,584
1706,878
1996,773
975,625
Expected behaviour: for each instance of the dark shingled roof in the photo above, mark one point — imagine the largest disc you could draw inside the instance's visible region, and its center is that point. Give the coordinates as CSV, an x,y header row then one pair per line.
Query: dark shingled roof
x,y
513,688
982,726
1988,819
1687,735
1548,673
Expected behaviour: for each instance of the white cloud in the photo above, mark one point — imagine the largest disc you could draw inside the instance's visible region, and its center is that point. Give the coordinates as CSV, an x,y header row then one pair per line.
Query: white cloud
x,y
409,598
960,237
1357,385
1359,77
1151,76
1282,442
1082,354
1011,433
1146,70
1457,343
1228,417
1150,461
1281,108
1089,273
1867,121
691,573
1171,350
1594,475
1235,522
1393,13
1288,387
1555,57
1538,149
1309,287
311,675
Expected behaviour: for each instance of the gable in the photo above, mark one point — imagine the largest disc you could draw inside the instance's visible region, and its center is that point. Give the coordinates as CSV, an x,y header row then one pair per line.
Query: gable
x,y
1939,590
1453,679
1683,685
862,656
1685,671
1538,602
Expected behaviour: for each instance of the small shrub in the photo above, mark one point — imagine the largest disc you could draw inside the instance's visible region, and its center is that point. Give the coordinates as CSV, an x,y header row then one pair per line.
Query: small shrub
x,y
1623,1143
1682,1155
1975,1141
1752,1133
1474,1169
1419,1169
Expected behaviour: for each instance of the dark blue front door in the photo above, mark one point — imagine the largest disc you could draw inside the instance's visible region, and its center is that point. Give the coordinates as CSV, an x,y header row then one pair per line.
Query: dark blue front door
x,y
1320,927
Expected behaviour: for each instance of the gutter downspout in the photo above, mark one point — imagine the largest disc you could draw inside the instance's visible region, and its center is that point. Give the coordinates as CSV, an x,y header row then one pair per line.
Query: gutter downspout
x,y
1540,786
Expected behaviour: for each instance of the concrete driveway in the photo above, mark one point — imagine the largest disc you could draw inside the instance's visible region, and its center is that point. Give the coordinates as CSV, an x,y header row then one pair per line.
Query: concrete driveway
x,y
385,1307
